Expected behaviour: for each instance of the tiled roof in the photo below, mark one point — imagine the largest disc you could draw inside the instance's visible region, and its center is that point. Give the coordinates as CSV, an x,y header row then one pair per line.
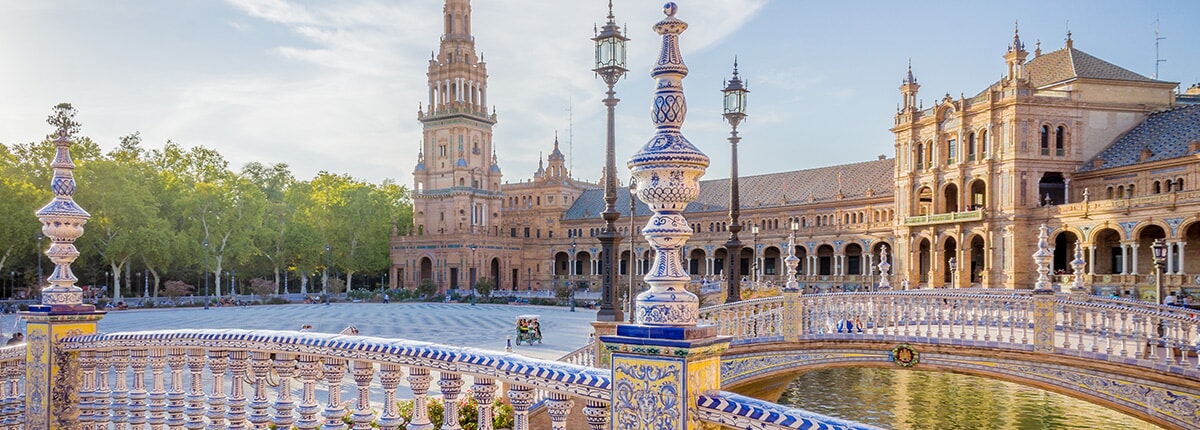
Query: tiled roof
x,y
1071,63
823,184
1166,134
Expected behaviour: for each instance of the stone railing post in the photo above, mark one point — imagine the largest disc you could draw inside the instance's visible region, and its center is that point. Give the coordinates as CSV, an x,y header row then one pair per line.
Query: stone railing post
x,y
1043,297
663,362
53,378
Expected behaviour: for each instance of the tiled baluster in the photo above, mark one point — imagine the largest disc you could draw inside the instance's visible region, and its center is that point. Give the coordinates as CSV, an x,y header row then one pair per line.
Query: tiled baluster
x,y
559,407
218,364
175,405
195,397
238,365
260,364
1026,313
521,397
1123,334
418,380
120,393
87,391
364,372
137,396
335,410
389,378
285,367
1084,315
451,384
1098,331
1170,333
158,391
597,415
1110,321
1068,319
485,393
102,401
991,314
309,408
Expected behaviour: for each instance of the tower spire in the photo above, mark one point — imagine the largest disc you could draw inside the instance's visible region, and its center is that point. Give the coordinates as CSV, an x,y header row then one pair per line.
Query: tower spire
x,y
1015,57
908,89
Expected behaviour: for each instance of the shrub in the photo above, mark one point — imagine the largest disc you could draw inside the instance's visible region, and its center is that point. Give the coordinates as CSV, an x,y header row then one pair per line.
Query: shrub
x,y
427,288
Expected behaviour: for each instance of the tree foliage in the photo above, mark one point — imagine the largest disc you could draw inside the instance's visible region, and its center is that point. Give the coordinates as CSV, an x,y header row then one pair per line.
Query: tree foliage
x,y
153,209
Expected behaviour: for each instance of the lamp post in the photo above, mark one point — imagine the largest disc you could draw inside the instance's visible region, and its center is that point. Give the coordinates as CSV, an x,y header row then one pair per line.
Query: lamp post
x,y
325,275
754,269
632,259
610,65
473,248
735,113
571,277
205,274
953,272
1160,259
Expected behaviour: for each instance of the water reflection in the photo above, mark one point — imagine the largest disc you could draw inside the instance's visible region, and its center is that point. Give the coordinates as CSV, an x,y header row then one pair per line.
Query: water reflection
x,y
902,399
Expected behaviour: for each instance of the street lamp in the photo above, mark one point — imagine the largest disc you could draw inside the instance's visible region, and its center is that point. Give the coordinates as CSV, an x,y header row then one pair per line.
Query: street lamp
x,y
571,279
754,269
610,65
205,273
1160,259
735,113
629,268
473,247
325,276
953,271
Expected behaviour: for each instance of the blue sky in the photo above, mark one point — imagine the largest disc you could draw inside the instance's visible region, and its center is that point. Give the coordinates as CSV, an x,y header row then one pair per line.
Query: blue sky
x,y
324,85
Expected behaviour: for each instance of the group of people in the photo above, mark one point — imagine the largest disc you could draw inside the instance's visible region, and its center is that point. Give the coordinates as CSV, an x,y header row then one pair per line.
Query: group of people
x,y
1173,300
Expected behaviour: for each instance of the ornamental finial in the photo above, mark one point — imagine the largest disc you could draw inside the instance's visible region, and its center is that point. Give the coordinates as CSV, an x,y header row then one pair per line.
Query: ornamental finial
x,y
62,219
668,171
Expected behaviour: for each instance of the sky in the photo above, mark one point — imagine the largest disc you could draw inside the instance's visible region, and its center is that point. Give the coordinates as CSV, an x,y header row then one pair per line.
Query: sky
x,y
335,85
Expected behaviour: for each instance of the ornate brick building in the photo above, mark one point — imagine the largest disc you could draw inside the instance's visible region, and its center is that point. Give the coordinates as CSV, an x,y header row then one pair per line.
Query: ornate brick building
x,y
1102,155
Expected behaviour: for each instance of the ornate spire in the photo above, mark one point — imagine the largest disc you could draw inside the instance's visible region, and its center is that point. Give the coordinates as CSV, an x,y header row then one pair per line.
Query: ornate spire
x,y
910,80
1016,45
62,219
668,171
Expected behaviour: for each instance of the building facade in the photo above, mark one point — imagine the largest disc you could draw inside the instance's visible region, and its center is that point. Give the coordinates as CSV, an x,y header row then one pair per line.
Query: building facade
x,y
1103,156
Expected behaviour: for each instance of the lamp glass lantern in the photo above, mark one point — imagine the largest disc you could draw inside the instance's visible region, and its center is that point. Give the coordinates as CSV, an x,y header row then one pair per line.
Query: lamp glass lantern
x,y
795,225
1160,251
610,49
735,100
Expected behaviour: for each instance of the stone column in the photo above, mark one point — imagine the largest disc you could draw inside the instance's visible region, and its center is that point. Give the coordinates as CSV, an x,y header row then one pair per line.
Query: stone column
x,y
52,377
661,364
1182,268
1134,269
1091,260
1170,259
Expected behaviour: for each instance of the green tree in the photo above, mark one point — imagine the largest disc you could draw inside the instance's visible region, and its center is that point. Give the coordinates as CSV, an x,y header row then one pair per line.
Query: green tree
x,y
484,286
427,288
270,241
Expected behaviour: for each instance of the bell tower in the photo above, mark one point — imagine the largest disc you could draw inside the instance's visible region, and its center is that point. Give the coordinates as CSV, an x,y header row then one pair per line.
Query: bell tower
x,y
908,88
456,182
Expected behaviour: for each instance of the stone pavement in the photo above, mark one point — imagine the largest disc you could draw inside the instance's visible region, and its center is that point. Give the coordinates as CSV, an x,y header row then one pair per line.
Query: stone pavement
x,y
480,326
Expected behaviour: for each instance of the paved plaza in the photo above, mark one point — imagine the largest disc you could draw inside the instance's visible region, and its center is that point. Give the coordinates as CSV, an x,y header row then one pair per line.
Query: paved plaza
x,y
480,326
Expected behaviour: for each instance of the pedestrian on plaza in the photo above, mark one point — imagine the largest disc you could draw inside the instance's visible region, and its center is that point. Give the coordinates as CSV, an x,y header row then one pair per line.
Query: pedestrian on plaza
x,y
306,327
1170,300
386,298
350,330
17,339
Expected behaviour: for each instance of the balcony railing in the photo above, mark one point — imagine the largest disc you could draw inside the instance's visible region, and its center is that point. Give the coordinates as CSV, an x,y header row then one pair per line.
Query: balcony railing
x,y
950,217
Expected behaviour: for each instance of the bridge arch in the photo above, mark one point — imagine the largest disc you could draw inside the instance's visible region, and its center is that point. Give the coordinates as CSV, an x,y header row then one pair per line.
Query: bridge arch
x,y
761,370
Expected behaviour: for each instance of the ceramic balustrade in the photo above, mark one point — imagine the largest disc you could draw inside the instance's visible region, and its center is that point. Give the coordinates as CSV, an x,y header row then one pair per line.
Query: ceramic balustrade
x,y
12,370
737,411
753,320
240,378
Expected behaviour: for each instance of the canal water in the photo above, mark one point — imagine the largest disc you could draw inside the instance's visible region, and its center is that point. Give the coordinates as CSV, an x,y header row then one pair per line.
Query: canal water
x,y
903,399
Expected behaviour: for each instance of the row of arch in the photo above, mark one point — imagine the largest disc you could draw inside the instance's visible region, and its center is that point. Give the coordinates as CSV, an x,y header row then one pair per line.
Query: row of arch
x,y
950,202
821,260
976,149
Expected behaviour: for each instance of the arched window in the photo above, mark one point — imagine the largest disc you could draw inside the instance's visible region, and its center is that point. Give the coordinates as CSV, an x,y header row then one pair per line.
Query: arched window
x,y
971,147
1045,140
929,154
920,157
1158,187
1120,191
1179,184
1060,136
983,144
1110,193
